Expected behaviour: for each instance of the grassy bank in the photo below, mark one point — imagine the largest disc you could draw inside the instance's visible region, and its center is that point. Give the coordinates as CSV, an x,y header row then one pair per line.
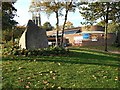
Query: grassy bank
x,y
101,48
81,68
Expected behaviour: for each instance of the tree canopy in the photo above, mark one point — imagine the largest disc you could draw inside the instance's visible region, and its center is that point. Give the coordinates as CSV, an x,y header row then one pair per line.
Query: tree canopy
x,y
47,26
68,25
101,10
8,13
98,10
113,27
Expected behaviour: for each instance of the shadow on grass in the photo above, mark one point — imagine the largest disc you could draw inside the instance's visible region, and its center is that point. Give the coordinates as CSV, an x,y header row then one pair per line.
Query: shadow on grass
x,y
97,51
78,57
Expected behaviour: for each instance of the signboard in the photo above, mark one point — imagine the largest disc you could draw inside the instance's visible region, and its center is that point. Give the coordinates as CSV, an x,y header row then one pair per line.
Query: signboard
x,y
78,39
86,36
94,38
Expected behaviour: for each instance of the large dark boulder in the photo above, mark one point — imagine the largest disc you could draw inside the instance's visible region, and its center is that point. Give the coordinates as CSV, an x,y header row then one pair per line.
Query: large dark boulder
x,y
33,37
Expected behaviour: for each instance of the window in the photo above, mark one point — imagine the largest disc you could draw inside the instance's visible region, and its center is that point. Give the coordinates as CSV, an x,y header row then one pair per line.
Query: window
x,y
72,32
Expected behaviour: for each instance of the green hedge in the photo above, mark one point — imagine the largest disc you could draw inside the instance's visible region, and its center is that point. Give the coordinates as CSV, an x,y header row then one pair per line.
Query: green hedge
x,y
15,50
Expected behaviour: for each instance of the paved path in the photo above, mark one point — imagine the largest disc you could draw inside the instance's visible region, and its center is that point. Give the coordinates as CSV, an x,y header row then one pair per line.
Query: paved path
x,y
116,52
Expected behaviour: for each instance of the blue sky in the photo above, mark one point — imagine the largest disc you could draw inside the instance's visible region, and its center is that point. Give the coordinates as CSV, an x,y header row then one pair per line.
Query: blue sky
x,y
22,7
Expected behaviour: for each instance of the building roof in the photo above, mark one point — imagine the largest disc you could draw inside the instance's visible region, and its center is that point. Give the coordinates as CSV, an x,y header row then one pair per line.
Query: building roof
x,y
94,29
92,32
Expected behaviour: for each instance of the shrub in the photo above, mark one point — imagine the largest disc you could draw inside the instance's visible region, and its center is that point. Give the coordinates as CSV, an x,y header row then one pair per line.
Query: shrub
x,y
15,50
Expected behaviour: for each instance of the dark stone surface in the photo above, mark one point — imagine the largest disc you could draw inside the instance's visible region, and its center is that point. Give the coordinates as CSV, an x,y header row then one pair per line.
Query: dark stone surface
x,y
34,37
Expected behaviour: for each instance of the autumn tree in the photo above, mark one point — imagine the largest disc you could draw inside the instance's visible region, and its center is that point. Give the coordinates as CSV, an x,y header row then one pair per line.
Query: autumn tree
x,y
56,6
68,6
101,10
68,25
47,26
49,8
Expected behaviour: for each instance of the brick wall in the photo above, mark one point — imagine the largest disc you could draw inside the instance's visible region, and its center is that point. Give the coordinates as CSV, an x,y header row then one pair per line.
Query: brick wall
x,y
89,42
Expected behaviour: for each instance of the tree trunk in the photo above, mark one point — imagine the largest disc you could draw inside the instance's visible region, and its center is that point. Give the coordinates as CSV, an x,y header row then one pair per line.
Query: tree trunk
x,y
106,26
64,28
67,9
57,28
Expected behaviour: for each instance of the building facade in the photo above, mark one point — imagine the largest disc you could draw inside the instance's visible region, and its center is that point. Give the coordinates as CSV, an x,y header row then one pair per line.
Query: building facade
x,y
83,36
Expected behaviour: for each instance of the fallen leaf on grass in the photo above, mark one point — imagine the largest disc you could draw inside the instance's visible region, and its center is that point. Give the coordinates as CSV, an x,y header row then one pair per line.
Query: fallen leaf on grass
x,y
28,77
21,80
116,78
59,64
29,82
34,60
59,87
27,86
104,76
53,77
40,74
45,82
53,86
94,76
19,67
51,71
47,74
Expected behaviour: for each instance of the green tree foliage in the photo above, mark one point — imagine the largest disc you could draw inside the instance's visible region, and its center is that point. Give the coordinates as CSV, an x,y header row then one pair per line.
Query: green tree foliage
x,y
6,35
47,26
101,23
15,33
101,10
98,10
49,8
57,7
8,13
113,27
19,31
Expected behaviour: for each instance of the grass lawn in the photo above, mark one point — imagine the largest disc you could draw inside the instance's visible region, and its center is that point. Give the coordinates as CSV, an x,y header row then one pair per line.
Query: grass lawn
x,y
81,68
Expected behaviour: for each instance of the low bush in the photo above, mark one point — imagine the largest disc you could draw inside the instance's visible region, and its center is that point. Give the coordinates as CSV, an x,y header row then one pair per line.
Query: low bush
x,y
15,50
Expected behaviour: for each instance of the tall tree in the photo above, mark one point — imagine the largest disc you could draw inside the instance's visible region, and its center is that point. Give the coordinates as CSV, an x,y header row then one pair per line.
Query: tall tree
x,y
68,6
49,8
8,13
57,7
101,10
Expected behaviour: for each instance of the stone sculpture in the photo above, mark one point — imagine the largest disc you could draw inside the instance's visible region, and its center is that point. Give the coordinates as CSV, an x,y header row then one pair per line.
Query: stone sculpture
x,y
33,37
